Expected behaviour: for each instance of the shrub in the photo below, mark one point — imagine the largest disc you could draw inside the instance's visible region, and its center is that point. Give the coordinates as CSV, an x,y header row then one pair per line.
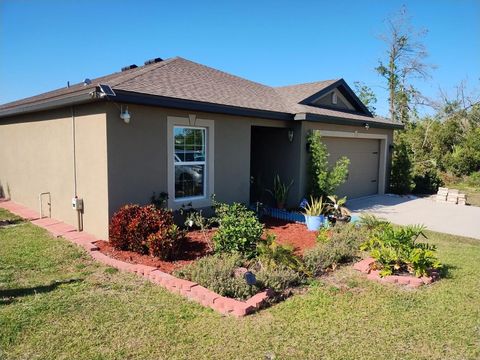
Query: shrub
x,y
324,180
217,272
278,278
474,179
401,181
342,247
239,230
145,229
427,182
119,231
396,250
166,242
273,255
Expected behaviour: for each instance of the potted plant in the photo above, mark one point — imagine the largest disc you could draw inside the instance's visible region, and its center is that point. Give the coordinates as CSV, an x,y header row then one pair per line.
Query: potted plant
x,y
280,191
338,212
314,213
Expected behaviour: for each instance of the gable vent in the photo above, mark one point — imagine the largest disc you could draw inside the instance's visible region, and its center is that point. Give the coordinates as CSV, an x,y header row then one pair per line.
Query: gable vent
x,y
153,61
129,67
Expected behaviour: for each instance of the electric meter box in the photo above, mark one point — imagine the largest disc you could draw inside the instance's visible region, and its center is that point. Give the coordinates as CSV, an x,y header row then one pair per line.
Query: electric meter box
x,y
77,204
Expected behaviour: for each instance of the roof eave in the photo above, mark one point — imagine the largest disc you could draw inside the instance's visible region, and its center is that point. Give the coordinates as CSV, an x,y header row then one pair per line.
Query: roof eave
x,y
349,122
185,104
82,98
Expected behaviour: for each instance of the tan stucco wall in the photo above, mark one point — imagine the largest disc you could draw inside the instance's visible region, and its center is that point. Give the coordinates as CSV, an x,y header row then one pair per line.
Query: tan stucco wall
x,y
36,155
140,147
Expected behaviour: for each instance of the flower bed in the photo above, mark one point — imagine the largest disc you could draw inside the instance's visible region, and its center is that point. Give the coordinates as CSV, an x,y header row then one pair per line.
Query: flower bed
x,y
366,266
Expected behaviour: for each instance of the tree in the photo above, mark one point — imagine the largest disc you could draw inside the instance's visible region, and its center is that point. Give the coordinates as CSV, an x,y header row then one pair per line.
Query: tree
x,y
406,54
324,180
366,95
401,180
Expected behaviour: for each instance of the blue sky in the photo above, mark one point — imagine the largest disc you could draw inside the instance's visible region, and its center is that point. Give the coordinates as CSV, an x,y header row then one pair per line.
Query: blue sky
x,y
44,44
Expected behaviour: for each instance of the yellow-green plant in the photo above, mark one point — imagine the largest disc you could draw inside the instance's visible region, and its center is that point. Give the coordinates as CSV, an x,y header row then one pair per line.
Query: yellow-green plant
x,y
315,207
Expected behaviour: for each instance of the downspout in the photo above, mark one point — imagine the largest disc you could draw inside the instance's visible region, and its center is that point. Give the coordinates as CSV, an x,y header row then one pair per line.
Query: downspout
x,y
75,195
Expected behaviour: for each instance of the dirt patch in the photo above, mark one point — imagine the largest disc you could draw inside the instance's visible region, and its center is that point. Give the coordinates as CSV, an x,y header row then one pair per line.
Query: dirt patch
x,y
293,234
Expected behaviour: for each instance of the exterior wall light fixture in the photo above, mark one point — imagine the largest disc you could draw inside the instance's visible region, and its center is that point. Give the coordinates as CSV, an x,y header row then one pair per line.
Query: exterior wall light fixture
x,y
290,135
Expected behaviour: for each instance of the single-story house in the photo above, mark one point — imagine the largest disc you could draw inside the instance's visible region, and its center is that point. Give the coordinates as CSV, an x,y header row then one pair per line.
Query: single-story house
x,y
183,128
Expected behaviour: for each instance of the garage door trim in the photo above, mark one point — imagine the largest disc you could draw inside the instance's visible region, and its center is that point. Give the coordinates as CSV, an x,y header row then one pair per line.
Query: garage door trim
x,y
382,164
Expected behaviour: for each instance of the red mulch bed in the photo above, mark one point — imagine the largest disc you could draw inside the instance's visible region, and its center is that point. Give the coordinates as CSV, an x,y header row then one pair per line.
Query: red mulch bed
x,y
293,234
196,246
193,248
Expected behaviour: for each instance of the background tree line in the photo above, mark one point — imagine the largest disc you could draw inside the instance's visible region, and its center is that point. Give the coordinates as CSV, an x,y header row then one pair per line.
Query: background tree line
x,y
432,149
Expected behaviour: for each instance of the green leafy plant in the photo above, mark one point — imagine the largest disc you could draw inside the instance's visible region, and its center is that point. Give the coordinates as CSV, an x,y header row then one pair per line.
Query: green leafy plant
x,y
340,247
217,273
271,254
335,206
239,230
371,222
278,278
324,180
396,250
280,191
315,207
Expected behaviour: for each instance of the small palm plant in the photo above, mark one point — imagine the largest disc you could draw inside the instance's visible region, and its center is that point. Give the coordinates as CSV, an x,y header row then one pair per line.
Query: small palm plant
x,y
280,191
315,207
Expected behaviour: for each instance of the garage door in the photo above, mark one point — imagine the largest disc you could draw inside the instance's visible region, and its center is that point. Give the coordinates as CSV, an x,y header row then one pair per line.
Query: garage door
x,y
364,160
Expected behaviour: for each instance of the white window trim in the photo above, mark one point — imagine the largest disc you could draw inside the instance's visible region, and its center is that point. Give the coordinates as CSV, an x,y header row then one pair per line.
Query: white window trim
x,y
196,201
382,163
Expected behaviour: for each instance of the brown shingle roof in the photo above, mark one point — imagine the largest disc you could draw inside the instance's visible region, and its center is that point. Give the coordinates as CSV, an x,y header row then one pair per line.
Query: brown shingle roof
x,y
179,78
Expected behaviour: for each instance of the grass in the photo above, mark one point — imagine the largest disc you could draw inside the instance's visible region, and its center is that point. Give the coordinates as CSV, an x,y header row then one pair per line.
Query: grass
x,y
472,192
56,302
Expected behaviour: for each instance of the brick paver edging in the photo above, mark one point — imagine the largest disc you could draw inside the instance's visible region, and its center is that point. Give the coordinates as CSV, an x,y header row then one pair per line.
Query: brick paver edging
x,y
190,290
365,267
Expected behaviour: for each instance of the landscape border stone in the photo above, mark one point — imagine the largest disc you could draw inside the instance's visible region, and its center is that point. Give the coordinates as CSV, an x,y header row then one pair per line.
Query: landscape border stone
x,y
188,289
365,266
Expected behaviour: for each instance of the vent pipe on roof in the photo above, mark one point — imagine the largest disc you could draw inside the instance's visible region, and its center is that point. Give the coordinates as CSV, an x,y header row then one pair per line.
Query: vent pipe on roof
x,y
129,67
153,61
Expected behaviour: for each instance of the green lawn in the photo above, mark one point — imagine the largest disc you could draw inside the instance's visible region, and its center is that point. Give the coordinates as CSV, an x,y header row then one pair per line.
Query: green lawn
x,y
472,192
56,303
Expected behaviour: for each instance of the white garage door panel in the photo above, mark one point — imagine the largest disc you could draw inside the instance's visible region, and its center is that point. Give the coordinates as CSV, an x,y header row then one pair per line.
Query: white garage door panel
x,y
364,163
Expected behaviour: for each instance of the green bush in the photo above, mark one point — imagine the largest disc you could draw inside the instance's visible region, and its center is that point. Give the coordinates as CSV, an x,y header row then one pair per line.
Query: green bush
x,y
474,179
217,273
426,180
271,254
396,250
324,180
278,278
401,181
341,247
239,230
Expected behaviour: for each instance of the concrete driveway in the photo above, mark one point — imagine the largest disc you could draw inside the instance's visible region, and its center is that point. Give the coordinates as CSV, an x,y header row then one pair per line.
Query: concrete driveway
x,y
407,210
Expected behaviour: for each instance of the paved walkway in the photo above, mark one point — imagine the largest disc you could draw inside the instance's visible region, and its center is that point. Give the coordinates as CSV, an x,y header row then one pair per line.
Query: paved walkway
x,y
407,210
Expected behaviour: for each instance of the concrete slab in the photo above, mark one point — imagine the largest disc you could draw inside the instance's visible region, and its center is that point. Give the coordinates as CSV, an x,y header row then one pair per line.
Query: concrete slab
x,y
408,210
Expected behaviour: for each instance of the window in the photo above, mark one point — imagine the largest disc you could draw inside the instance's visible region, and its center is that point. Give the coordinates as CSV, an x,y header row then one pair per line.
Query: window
x,y
334,98
190,161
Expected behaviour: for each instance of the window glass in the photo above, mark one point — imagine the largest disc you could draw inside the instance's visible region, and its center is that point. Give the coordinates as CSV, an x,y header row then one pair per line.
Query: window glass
x,y
190,161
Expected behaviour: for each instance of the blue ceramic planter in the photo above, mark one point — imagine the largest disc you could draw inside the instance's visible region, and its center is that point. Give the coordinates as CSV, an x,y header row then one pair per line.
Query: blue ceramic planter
x,y
314,222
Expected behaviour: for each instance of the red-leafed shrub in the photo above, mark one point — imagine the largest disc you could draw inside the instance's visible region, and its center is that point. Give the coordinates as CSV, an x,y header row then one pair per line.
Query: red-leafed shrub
x,y
145,229
120,235
165,242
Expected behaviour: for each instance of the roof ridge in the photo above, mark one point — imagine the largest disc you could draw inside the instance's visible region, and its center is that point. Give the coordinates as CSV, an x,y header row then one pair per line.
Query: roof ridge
x,y
308,83
149,68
